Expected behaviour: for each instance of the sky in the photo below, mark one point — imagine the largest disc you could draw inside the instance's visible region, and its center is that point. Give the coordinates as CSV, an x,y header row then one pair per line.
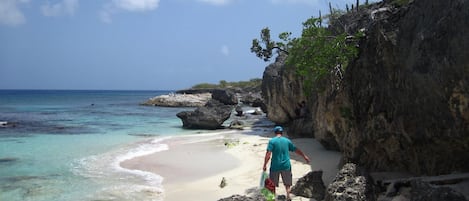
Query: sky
x,y
140,44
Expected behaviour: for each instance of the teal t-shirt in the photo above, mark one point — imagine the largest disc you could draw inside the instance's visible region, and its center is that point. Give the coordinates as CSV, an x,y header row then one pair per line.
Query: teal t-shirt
x,y
280,148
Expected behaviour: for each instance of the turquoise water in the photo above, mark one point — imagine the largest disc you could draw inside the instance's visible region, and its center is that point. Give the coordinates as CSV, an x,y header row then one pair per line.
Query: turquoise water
x,y
66,145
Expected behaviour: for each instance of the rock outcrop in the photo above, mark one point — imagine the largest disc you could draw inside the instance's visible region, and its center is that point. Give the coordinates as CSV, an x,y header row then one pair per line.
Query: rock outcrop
x,y
282,91
310,186
193,98
211,116
253,99
179,100
194,91
347,185
231,96
404,102
226,97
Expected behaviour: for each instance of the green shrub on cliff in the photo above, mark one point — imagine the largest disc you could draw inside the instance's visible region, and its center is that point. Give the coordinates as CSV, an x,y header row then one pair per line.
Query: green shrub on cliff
x,y
205,86
252,83
316,55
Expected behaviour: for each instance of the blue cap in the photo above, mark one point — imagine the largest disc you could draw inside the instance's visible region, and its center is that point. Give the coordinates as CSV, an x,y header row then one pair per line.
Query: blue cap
x,y
278,129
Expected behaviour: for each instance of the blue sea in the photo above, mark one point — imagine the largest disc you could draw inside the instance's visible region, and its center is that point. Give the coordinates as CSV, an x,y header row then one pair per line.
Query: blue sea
x,y
65,145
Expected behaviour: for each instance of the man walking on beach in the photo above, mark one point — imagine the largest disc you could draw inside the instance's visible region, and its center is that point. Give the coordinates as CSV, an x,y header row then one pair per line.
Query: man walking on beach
x,y
279,149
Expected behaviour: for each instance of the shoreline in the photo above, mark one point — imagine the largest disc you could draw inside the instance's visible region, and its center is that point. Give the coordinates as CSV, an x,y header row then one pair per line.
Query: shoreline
x,y
183,159
194,166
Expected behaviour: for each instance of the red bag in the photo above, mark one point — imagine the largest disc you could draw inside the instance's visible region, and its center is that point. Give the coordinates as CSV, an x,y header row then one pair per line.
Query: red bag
x,y
269,184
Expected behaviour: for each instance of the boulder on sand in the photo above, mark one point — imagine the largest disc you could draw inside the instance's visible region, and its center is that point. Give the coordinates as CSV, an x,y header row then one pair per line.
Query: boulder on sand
x,y
211,116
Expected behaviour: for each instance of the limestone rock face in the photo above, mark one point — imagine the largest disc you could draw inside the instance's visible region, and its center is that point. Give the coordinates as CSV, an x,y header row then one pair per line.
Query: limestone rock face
x,y
409,91
404,102
282,91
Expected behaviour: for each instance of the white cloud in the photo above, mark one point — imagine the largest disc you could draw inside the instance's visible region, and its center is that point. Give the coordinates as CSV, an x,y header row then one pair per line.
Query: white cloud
x,y
136,5
10,14
65,7
216,2
126,5
225,50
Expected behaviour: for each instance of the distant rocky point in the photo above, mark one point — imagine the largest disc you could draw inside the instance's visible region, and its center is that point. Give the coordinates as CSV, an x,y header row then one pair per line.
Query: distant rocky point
x,y
199,97
179,100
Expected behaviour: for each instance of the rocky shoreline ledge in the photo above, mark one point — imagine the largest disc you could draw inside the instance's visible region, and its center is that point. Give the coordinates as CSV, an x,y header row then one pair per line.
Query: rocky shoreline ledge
x,y
179,100
200,97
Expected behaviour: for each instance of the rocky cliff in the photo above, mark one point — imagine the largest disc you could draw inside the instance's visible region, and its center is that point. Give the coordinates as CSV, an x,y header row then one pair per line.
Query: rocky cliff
x,y
404,102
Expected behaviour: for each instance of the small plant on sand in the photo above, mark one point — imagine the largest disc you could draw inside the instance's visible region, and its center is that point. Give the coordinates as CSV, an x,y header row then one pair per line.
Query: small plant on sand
x,y
230,143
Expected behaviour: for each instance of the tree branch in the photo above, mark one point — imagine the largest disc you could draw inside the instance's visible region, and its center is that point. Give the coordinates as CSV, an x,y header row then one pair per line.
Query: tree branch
x,y
280,49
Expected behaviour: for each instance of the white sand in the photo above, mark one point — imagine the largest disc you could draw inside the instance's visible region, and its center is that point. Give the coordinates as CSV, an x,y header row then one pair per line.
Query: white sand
x,y
195,169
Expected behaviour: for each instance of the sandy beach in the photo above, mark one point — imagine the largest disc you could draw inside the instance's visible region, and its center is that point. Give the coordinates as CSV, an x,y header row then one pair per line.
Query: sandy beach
x,y
194,166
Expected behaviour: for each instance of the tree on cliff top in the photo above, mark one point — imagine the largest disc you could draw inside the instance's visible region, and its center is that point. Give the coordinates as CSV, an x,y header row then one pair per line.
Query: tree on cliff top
x,y
315,55
266,52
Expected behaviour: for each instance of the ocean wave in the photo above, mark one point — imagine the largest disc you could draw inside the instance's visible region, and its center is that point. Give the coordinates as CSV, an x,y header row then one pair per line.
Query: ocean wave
x,y
118,183
143,149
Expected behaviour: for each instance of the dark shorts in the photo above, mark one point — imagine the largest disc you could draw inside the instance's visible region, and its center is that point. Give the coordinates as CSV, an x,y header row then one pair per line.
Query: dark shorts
x,y
286,177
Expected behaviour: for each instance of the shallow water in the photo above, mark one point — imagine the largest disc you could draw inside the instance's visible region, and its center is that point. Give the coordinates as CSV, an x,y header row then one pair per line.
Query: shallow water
x,y
66,145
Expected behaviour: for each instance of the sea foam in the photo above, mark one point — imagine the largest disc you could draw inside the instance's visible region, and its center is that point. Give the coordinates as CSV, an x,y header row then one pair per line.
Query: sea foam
x,y
142,149
118,182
